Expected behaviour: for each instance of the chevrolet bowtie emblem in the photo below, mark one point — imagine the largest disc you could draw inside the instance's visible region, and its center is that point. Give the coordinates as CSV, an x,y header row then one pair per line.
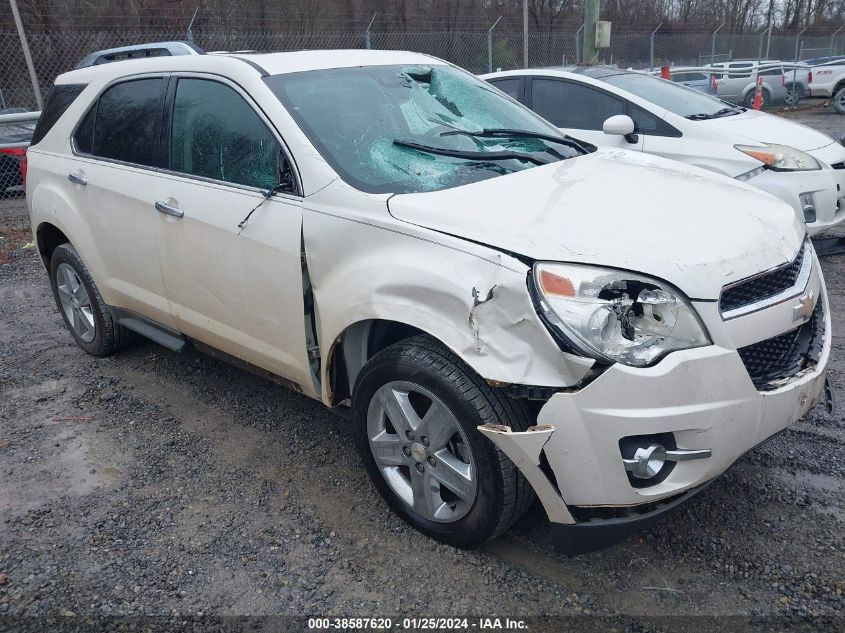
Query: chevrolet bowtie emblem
x,y
804,309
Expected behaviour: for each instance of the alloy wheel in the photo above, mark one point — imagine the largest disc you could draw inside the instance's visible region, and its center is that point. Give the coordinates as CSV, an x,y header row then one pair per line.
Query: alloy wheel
x,y
421,451
76,303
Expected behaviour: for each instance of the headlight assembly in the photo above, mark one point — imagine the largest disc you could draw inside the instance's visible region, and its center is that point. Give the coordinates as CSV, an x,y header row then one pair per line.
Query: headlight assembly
x,y
616,316
780,157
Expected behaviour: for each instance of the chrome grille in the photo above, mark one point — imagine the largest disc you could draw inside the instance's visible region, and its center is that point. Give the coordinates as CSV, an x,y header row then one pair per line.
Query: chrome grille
x,y
763,286
769,363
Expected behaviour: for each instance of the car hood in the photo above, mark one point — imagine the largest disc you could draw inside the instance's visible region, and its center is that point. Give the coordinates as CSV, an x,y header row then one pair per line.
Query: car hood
x,y
753,126
695,229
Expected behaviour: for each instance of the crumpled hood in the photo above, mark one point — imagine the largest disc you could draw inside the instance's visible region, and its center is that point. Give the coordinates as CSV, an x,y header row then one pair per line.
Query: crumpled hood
x,y
695,229
753,126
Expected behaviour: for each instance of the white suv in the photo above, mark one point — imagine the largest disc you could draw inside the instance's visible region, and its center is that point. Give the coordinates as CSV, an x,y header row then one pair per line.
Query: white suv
x,y
504,311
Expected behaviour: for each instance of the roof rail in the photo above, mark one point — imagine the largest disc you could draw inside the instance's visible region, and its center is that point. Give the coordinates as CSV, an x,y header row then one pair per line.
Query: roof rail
x,y
155,49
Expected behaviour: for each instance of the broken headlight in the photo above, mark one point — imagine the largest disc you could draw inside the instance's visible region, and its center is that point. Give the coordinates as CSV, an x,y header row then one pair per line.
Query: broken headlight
x,y
614,315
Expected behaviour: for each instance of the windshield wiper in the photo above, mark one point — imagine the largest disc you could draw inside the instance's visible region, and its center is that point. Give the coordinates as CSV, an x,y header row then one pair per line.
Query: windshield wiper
x,y
714,115
482,156
507,133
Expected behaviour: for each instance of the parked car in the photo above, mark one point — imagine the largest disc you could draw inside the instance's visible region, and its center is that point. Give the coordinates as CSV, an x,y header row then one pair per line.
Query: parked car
x,y
503,311
616,108
692,78
737,82
11,154
828,80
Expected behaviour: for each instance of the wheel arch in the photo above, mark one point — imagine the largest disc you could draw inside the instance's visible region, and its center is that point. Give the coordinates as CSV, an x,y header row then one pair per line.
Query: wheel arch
x,y
356,345
48,237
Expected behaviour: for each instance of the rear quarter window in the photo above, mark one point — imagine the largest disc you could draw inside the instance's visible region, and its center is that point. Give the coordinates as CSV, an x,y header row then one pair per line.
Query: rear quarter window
x,y
58,102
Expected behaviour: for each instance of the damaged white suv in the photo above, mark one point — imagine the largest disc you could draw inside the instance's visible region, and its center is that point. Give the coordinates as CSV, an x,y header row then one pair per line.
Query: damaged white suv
x,y
506,311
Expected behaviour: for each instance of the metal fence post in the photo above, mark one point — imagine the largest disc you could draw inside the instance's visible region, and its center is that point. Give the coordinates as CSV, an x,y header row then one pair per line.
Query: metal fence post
x,y
833,37
190,30
367,42
713,43
651,45
525,33
27,55
798,43
490,45
578,44
760,45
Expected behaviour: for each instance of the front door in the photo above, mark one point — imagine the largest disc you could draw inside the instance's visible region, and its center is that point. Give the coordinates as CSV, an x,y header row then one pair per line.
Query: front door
x,y
578,110
235,288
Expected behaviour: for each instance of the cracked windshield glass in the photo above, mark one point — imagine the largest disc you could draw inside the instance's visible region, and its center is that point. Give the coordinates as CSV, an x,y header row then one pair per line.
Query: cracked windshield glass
x,y
404,129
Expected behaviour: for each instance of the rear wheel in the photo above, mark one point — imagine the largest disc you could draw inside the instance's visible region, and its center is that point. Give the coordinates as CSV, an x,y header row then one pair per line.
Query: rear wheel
x,y
416,407
793,95
81,306
839,101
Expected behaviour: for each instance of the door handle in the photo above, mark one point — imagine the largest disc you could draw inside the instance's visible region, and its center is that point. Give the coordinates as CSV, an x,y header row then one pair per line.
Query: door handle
x,y
77,179
167,209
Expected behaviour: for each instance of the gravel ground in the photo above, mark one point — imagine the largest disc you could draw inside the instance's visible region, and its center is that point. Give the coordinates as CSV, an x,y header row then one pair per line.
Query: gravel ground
x,y
174,486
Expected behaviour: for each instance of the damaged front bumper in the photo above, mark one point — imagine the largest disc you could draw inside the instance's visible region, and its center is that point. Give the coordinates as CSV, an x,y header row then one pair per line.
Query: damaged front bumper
x,y
702,399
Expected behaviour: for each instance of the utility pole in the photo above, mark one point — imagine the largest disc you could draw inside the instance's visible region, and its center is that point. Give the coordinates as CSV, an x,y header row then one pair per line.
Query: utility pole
x,y
591,16
525,33
27,55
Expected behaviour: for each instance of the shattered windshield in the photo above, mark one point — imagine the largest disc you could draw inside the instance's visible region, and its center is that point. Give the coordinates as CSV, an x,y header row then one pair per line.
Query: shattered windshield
x,y
405,129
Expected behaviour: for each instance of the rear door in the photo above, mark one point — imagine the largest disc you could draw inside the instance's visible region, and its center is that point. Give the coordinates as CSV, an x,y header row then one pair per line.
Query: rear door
x,y
732,85
114,185
578,109
238,289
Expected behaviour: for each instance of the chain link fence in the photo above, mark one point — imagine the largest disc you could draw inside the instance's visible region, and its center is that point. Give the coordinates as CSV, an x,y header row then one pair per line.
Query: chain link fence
x,y
477,51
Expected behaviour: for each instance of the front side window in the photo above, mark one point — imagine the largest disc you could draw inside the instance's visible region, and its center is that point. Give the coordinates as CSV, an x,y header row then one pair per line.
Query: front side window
x,y
572,105
216,134
125,123
403,129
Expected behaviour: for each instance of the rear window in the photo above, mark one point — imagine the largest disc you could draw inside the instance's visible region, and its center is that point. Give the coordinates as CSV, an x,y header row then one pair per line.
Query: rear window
x,y
58,101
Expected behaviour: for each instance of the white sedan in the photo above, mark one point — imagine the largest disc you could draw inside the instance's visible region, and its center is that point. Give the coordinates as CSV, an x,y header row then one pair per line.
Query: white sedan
x,y
615,108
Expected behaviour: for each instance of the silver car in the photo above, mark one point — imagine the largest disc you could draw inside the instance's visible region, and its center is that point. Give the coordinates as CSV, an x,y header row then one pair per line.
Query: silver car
x,y
780,85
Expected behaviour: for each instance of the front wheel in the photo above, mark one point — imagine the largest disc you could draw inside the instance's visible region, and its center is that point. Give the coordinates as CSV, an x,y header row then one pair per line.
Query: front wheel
x,y
416,407
764,99
839,101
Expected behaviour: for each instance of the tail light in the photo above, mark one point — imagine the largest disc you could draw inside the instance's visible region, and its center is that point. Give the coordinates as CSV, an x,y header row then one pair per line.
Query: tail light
x,y
20,154
783,80
23,171
810,77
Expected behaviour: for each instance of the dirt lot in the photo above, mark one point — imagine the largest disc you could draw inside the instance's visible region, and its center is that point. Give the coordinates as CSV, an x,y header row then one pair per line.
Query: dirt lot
x,y
175,486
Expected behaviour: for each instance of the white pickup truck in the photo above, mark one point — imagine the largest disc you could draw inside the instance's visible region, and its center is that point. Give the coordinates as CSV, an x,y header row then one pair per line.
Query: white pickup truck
x,y
828,80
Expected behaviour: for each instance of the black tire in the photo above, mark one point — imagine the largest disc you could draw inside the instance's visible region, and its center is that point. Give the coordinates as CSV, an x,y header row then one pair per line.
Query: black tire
x,y
109,337
766,99
839,100
794,93
503,494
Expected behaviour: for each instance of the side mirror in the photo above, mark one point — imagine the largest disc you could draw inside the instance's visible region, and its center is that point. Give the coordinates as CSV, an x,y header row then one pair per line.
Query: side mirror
x,y
621,125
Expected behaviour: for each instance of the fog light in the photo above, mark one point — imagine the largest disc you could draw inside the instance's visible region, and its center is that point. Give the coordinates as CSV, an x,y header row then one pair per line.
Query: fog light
x,y
808,207
647,461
